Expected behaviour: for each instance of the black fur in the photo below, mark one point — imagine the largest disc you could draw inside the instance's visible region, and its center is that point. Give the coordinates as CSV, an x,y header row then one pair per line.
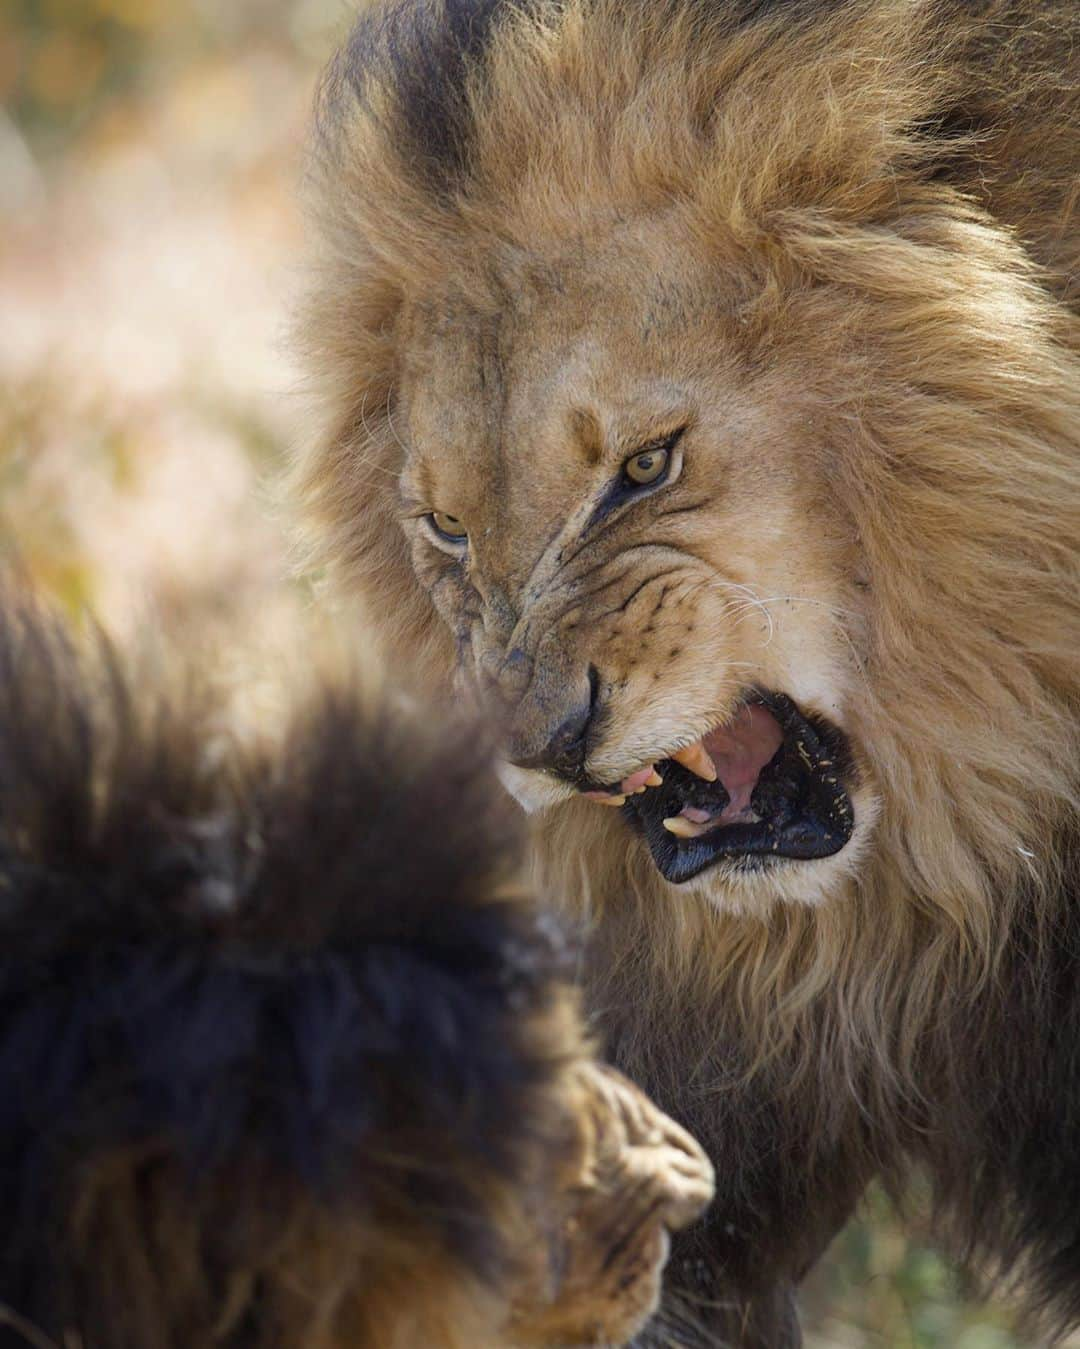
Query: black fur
x,y
284,955
423,51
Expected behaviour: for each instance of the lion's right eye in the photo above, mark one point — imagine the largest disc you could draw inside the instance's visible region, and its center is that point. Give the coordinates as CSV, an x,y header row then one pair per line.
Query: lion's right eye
x,y
448,528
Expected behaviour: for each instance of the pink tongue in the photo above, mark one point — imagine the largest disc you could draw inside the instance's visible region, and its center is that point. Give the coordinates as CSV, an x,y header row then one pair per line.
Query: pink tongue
x,y
740,751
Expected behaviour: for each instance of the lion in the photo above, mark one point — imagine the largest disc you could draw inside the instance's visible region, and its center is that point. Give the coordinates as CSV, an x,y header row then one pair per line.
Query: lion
x,y
696,387
288,1056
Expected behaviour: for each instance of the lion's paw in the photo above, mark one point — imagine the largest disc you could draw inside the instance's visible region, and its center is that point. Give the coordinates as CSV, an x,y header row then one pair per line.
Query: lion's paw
x,y
637,1177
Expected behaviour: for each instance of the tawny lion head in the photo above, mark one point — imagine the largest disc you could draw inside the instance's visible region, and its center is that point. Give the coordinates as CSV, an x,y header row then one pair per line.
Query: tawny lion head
x,y
683,408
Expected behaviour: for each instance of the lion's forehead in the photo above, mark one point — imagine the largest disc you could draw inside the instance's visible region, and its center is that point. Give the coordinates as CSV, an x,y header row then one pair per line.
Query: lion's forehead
x,y
494,394
509,349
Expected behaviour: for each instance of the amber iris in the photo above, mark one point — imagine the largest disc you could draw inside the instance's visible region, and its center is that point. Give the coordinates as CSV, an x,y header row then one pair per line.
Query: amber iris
x,y
449,526
647,466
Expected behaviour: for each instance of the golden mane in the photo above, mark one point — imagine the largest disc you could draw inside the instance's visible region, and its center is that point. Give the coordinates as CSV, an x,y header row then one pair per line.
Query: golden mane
x,y
884,170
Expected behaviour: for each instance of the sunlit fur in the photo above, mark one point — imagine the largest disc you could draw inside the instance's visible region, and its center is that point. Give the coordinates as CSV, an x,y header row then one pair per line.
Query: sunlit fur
x,y
885,192
287,1058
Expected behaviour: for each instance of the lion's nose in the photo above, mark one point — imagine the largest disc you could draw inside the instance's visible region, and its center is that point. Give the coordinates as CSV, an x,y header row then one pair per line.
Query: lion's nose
x,y
548,734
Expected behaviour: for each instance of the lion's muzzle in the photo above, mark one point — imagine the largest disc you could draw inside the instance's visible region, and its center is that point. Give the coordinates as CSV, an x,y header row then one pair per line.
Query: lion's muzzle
x,y
549,712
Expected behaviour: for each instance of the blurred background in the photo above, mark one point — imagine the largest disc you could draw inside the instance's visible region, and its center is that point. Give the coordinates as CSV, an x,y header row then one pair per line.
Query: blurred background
x,y
150,159
149,162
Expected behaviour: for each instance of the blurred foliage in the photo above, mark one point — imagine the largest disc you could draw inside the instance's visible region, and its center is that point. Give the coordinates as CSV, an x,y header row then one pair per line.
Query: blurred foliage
x,y
78,465
61,60
880,1287
48,542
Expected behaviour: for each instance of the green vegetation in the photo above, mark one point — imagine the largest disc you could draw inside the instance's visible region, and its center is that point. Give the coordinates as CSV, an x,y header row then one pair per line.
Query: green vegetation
x,y
880,1288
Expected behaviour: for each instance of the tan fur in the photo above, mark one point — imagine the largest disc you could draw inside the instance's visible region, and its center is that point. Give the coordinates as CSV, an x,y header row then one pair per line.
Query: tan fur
x,y
843,254
635,1165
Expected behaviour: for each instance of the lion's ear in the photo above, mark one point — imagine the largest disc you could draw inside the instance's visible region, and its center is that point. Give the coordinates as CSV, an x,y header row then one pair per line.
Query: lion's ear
x,y
106,788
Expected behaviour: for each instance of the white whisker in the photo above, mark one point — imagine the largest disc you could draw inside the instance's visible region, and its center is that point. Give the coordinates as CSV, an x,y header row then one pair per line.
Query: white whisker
x,y
367,460
390,422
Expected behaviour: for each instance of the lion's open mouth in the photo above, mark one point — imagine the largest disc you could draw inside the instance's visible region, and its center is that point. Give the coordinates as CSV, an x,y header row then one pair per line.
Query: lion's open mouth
x,y
778,792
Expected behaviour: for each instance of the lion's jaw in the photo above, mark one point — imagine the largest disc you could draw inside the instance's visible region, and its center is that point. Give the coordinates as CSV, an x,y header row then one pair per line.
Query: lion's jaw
x,y
660,608
728,887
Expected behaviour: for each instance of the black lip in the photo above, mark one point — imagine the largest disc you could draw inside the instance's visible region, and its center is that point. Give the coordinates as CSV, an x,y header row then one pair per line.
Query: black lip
x,y
805,809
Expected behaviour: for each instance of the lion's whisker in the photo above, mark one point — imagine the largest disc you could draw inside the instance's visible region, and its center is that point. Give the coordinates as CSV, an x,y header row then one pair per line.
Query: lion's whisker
x,y
366,460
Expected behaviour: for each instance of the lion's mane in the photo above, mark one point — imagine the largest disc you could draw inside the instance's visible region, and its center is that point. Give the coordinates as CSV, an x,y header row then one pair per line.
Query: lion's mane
x,y
272,1071
905,170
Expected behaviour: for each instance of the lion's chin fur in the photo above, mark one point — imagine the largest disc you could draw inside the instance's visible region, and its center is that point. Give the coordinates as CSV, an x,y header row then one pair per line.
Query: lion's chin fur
x,y
729,887
750,892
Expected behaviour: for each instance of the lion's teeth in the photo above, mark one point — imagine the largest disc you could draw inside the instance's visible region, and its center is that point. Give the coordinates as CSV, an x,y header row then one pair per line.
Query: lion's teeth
x,y
654,779
636,780
681,827
696,758
611,800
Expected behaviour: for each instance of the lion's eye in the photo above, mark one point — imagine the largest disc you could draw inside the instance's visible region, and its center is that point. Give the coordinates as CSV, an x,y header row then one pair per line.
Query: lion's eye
x,y
648,466
448,527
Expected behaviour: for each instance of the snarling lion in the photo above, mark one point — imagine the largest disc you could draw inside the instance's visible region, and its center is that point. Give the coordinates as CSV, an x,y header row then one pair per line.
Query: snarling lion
x,y
288,1060
699,388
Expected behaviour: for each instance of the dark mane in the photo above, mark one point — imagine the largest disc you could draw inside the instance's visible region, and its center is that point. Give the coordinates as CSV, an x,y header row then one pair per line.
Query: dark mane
x,y
424,51
260,963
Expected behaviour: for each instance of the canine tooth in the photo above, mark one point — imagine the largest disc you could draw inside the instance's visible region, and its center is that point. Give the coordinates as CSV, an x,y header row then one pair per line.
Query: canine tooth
x,y
654,779
637,779
681,827
696,758
611,800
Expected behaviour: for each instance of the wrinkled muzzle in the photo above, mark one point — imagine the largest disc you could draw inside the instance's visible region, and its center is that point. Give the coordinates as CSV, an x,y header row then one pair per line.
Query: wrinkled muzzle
x,y
548,710
769,782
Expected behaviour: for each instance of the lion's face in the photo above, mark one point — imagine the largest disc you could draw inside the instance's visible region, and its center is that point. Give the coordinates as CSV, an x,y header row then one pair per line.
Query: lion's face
x,y
625,520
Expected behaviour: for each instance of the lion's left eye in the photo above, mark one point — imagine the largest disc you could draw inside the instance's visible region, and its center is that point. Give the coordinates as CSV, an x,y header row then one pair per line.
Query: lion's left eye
x,y
648,466
448,528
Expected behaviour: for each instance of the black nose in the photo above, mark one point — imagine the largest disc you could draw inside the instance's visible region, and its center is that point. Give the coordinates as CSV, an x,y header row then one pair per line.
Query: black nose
x,y
566,746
